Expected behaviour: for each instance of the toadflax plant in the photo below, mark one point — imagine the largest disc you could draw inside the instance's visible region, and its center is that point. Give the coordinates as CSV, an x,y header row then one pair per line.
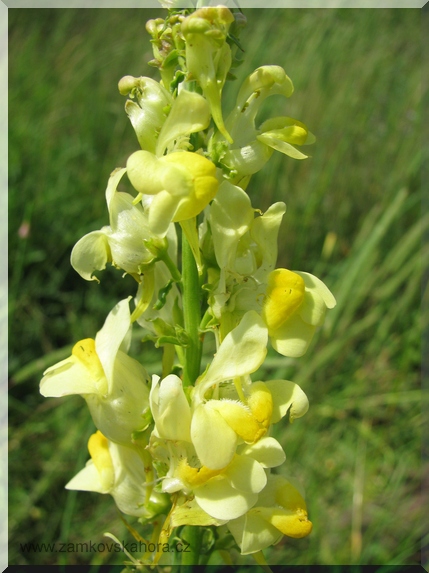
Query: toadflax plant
x,y
186,450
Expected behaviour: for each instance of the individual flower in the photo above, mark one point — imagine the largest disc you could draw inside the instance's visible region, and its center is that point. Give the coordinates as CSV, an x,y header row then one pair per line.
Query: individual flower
x,y
232,422
128,243
222,493
292,304
219,425
119,471
159,120
113,384
253,146
226,493
173,186
245,249
267,453
208,55
181,185
280,510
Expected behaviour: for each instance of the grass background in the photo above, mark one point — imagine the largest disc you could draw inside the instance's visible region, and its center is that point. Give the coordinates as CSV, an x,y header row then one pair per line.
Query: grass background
x,y
354,219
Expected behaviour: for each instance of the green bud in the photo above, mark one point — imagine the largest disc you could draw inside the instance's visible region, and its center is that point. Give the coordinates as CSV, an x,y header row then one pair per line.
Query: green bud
x,y
153,27
126,84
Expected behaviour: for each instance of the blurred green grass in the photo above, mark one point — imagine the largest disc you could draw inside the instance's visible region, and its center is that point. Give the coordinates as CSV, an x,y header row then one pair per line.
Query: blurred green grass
x,y
353,219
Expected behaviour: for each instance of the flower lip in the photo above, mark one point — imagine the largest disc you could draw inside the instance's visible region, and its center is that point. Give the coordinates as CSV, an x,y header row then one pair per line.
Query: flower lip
x,y
284,295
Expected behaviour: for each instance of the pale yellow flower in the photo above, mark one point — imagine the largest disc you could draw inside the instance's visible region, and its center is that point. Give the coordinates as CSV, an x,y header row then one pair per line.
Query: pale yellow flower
x,y
280,510
119,471
181,185
253,145
113,384
292,304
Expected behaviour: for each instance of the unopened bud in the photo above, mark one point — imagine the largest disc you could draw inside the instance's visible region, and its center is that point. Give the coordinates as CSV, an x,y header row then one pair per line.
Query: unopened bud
x,y
126,84
153,27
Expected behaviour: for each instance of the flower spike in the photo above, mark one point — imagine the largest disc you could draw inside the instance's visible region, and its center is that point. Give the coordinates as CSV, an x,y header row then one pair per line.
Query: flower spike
x,y
188,446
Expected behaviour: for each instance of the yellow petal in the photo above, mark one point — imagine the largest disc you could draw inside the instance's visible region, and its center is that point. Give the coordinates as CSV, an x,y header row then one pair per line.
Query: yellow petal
x,y
246,474
214,440
293,524
293,337
282,146
314,284
91,253
85,352
260,403
150,175
98,447
196,164
195,477
222,501
252,533
267,80
239,418
205,184
267,452
287,396
231,215
189,113
242,352
284,295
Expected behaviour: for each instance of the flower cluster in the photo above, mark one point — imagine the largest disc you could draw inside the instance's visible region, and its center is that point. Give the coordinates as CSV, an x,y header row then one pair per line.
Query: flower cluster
x,y
196,446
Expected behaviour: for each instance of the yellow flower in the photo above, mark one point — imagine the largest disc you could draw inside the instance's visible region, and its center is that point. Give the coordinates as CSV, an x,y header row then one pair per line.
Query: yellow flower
x,y
229,422
292,304
160,121
295,305
182,185
253,146
280,510
221,426
113,384
284,295
122,242
226,493
119,471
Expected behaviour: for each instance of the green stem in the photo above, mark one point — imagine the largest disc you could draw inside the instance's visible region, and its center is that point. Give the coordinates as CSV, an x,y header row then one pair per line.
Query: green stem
x,y
174,271
191,314
193,536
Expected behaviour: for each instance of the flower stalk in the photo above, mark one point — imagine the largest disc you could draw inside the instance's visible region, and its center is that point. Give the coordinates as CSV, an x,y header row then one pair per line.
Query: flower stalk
x,y
191,314
194,537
